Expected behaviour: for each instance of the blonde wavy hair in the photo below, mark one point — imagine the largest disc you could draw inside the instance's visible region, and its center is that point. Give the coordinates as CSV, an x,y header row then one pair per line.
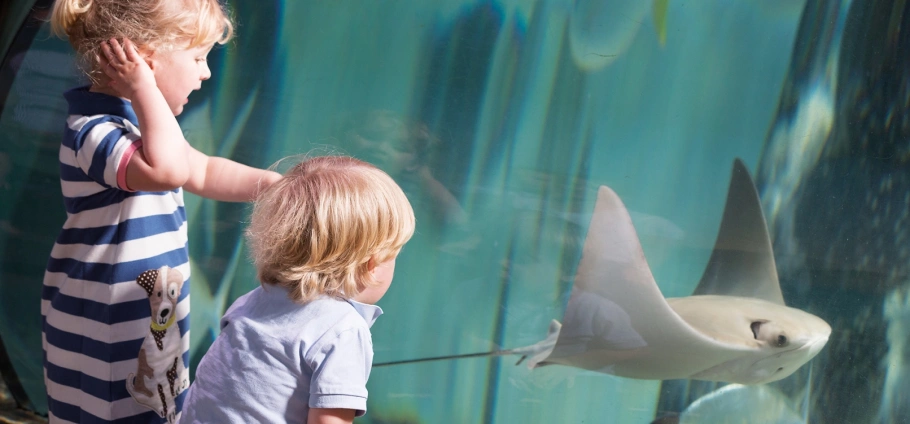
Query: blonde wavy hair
x,y
317,229
152,25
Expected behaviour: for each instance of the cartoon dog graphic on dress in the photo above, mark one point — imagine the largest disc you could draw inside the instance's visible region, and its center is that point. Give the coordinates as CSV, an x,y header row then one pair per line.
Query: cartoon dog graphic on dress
x,y
161,375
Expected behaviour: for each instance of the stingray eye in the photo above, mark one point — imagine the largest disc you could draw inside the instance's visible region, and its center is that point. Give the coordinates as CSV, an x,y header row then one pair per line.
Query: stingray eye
x,y
159,293
781,340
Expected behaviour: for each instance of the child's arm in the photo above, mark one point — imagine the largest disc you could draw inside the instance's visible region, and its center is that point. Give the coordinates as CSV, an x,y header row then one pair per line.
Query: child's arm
x,y
330,416
223,179
161,163
166,161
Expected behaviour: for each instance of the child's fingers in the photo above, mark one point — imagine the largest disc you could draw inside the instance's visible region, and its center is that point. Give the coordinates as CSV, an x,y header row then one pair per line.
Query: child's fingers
x,y
108,54
131,52
107,68
118,50
110,61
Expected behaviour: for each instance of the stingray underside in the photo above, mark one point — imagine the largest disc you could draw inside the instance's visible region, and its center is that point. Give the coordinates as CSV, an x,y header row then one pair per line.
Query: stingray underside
x,y
617,321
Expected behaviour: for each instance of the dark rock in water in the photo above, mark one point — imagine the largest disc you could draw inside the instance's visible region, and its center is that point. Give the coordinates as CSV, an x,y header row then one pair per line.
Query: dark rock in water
x,y
843,227
835,188
846,225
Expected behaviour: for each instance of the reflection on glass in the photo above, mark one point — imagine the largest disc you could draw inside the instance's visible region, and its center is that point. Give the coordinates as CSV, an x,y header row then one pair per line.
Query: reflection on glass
x,y
405,151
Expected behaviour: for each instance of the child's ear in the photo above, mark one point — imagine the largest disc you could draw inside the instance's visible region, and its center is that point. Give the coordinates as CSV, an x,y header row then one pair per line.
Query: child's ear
x,y
150,58
372,263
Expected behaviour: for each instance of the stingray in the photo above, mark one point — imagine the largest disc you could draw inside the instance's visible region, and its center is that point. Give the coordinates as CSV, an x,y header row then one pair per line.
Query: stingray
x,y
735,327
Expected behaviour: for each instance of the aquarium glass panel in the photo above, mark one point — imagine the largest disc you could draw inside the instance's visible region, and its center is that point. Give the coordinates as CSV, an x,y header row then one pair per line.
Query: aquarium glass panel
x,y
618,202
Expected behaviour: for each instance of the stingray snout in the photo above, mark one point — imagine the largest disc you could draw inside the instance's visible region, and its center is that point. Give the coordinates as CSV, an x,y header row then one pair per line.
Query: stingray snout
x,y
819,338
815,345
817,332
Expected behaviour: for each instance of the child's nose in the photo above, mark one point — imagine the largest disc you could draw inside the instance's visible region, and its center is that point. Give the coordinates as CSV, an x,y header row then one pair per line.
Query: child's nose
x,y
206,72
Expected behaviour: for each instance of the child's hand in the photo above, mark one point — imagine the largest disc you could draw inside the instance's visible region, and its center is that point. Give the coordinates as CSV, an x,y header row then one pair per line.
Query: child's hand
x,y
127,70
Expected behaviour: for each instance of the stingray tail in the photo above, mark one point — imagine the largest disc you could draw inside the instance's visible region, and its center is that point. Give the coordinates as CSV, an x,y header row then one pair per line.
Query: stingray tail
x,y
444,358
538,352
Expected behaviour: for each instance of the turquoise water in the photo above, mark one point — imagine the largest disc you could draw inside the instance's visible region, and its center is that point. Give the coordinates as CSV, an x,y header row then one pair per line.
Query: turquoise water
x,y
500,120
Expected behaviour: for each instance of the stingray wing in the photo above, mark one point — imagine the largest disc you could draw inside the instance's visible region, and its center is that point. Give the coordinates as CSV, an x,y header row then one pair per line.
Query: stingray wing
x,y
617,320
742,263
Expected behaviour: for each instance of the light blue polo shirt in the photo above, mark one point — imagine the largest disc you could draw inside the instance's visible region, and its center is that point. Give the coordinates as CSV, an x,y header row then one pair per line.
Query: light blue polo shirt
x,y
275,359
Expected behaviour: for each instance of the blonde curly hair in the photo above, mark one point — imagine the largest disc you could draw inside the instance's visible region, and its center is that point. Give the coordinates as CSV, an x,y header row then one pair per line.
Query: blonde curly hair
x,y
152,25
317,229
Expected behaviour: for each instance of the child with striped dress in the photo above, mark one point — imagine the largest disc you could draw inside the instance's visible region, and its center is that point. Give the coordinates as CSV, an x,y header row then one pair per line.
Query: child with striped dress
x,y
115,303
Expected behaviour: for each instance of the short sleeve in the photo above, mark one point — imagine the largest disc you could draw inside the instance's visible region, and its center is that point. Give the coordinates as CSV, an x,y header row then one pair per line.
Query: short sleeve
x,y
104,152
341,368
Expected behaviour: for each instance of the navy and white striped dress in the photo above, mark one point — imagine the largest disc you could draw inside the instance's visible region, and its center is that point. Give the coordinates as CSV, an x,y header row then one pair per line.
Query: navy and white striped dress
x,y
96,316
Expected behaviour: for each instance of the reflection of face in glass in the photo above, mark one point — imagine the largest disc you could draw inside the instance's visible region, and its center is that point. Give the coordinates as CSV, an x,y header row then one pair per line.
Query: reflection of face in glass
x,y
383,139
392,155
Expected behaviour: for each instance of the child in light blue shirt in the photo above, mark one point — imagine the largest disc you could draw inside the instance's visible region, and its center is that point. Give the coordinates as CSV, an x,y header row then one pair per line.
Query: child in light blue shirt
x,y
324,240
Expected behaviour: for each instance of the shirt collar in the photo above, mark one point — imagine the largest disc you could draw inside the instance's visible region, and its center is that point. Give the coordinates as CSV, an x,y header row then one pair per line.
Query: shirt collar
x,y
368,312
84,102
